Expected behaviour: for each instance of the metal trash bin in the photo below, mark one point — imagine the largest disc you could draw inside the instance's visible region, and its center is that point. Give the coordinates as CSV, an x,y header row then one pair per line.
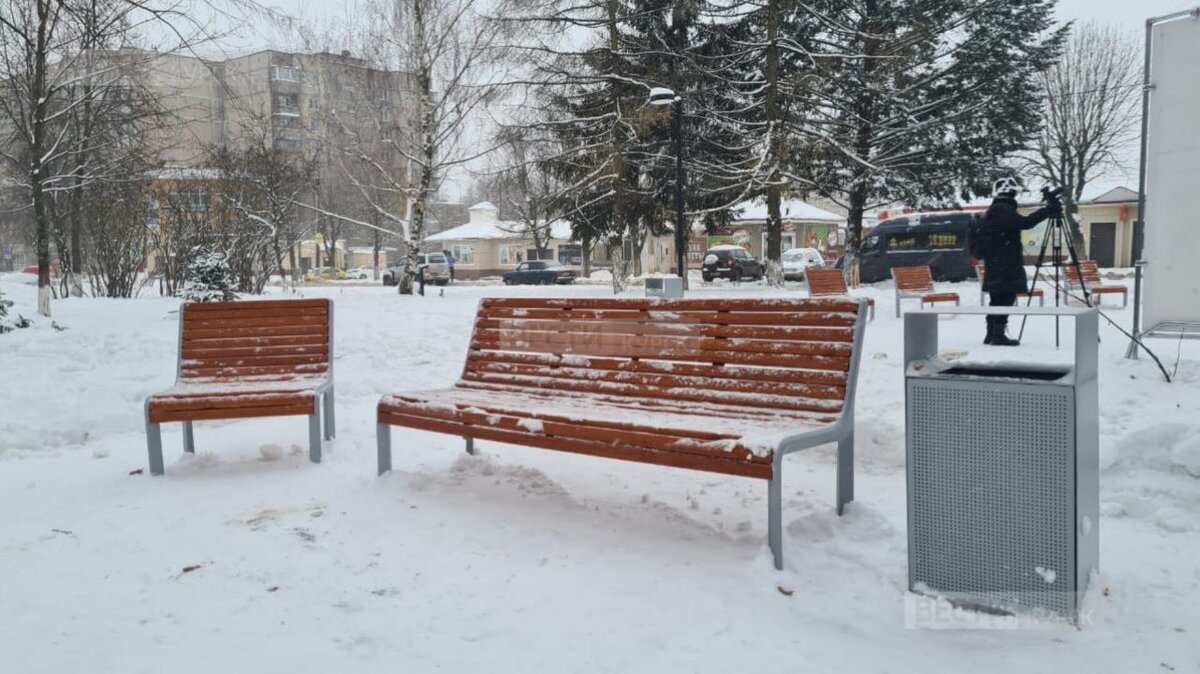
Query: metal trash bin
x,y
664,286
1003,473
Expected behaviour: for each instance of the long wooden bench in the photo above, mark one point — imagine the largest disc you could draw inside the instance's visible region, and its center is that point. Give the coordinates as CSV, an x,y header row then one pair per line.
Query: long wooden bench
x,y
726,386
1088,275
980,272
239,360
831,283
917,283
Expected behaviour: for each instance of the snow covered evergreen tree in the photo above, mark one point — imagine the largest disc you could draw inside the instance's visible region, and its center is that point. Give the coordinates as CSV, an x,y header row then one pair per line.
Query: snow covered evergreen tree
x,y
208,279
913,100
7,324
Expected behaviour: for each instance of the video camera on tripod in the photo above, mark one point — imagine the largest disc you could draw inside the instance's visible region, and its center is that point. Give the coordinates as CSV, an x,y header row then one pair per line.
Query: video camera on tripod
x,y
1056,235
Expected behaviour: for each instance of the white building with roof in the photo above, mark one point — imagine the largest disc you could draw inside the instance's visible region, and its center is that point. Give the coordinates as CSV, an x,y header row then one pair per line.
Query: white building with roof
x,y
489,246
804,226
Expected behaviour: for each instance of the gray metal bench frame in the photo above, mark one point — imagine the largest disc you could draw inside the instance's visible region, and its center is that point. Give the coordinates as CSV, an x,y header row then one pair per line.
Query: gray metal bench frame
x,y
323,401
841,431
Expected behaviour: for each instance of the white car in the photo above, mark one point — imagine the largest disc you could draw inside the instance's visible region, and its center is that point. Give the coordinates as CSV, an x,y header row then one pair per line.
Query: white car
x,y
361,273
796,260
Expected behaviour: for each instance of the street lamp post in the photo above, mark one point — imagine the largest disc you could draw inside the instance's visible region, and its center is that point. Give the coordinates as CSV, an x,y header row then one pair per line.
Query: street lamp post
x,y
664,96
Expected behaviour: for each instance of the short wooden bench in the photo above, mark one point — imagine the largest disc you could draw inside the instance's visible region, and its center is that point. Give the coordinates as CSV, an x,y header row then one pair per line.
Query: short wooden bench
x,y
1036,292
1089,274
237,360
719,385
917,283
831,283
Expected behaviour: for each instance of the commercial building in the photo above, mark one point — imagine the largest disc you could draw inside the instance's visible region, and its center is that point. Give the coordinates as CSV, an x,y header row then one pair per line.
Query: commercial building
x,y
487,246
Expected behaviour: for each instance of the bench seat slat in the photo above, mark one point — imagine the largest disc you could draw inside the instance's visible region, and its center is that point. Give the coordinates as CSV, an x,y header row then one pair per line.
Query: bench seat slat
x,y
728,382
674,305
814,362
665,342
723,395
612,450
727,371
725,445
772,332
779,318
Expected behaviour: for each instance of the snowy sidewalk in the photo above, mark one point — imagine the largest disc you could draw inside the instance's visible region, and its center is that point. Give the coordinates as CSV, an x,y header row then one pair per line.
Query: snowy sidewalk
x,y
246,557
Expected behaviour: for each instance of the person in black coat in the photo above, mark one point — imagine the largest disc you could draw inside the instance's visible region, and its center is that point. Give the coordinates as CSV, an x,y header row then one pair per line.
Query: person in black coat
x,y
1004,261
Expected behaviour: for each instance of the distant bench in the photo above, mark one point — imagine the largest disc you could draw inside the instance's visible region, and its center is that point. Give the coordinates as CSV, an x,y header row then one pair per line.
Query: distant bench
x,y
725,386
917,283
262,358
1088,275
831,283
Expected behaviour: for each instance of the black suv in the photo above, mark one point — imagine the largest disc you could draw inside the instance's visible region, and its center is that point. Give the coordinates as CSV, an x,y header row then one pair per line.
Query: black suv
x,y
731,262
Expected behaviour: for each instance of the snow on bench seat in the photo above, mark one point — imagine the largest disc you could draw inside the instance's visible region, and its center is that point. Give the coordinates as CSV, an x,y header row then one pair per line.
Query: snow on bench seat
x,y
726,386
248,359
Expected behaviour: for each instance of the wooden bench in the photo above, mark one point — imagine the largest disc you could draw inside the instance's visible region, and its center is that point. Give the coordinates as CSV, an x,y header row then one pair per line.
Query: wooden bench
x,y
1090,272
831,283
917,283
237,360
726,386
1036,292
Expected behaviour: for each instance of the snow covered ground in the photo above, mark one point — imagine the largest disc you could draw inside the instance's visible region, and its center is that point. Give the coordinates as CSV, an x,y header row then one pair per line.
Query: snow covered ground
x,y
247,557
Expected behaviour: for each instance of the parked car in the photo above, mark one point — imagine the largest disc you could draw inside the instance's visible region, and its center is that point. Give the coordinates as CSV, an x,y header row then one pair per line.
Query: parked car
x,y
326,273
436,270
360,273
539,272
936,240
797,260
732,262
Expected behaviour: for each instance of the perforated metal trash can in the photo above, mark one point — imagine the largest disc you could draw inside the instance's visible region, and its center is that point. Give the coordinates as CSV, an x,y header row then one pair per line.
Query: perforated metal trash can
x,y
1003,504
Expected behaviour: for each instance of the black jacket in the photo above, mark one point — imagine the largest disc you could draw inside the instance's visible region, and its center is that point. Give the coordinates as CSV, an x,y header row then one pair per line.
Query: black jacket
x,y
1005,261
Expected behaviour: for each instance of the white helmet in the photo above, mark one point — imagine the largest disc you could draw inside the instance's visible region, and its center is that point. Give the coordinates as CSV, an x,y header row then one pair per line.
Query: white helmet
x,y
1006,187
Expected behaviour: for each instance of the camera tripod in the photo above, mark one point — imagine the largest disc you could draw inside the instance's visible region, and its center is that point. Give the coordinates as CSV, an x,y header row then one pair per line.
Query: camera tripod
x,y
1056,234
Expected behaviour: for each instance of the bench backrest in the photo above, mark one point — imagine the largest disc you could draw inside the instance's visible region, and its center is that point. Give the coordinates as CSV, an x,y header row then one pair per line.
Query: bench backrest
x,y
1088,268
913,279
779,354
825,282
275,339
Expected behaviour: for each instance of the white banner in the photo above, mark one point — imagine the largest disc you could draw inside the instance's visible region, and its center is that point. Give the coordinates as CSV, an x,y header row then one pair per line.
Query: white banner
x,y
1172,230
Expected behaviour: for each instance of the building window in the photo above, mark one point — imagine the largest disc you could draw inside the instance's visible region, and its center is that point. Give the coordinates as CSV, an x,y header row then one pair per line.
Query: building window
x,y
533,254
313,104
287,101
512,254
285,73
786,242
193,201
464,255
289,144
570,254
385,115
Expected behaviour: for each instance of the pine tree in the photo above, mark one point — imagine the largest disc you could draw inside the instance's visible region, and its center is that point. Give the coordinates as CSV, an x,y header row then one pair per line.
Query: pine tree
x,y
915,99
208,278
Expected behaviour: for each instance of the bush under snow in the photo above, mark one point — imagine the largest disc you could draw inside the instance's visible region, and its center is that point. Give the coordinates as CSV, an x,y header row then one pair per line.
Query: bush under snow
x,y
208,279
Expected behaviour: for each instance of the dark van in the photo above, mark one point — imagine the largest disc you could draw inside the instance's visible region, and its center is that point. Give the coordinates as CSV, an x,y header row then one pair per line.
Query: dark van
x,y
936,240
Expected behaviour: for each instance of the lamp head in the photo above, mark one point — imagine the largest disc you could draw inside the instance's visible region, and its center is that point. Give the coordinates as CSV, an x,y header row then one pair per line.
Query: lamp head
x,y
662,96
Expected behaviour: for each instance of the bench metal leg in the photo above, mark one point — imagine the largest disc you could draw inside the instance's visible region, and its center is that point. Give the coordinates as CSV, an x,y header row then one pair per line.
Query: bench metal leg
x,y
189,438
470,446
775,515
154,445
330,426
383,441
845,471
314,437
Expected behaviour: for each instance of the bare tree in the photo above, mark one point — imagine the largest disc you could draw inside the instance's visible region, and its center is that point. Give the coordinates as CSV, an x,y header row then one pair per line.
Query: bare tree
x,y
524,188
1091,113
51,69
443,46
260,186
